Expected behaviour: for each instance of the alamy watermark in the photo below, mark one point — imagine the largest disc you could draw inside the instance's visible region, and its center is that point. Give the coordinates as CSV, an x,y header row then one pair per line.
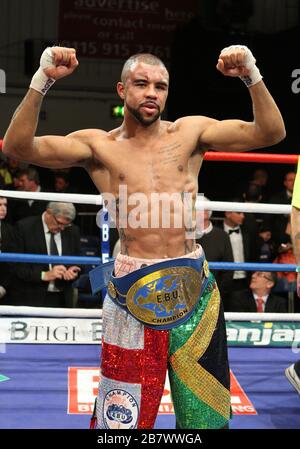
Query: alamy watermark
x,y
156,210
2,82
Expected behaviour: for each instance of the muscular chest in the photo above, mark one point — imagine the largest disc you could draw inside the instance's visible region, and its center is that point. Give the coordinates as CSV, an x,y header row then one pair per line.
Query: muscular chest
x,y
152,166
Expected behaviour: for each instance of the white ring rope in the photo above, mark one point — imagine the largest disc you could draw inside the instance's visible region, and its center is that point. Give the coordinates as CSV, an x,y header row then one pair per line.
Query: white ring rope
x,y
49,312
49,196
221,206
97,314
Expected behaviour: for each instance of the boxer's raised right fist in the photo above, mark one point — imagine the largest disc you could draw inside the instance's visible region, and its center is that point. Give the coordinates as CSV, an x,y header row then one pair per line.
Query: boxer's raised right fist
x,y
58,62
55,63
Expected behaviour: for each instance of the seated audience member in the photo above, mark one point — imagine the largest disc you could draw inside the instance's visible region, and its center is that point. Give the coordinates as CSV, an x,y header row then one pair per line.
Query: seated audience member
x,y
62,183
216,245
9,169
244,246
260,178
286,279
267,247
278,222
52,233
28,181
6,246
258,297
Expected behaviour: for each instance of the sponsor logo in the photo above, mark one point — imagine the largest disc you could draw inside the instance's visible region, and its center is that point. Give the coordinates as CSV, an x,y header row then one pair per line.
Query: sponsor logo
x,y
240,403
263,334
120,408
83,389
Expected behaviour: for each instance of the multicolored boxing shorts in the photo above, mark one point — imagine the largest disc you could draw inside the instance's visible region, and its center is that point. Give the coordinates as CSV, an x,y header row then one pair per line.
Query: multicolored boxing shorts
x,y
142,339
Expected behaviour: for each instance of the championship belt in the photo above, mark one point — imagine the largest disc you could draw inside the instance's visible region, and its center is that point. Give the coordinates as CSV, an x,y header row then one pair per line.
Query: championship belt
x,y
162,295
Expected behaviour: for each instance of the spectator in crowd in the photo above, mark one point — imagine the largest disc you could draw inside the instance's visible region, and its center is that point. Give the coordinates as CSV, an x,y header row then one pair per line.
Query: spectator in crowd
x,y
260,178
9,169
52,233
6,246
62,183
28,181
243,247
216,245
258,297
286,279
267,247
278,222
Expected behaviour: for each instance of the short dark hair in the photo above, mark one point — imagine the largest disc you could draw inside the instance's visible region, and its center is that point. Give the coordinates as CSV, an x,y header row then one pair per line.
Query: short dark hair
x,y
147,58
62,175
31,173
252,193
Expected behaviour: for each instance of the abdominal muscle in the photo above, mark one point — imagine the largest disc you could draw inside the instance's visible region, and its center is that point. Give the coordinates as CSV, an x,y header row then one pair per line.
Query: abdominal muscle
x,y
157,242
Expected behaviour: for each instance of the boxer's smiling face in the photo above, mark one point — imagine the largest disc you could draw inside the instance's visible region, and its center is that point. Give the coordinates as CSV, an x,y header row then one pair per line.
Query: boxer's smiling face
x,y
145,92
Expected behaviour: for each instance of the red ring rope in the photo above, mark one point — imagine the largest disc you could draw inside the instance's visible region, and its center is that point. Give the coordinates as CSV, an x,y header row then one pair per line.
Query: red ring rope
x,y
245,157
252,157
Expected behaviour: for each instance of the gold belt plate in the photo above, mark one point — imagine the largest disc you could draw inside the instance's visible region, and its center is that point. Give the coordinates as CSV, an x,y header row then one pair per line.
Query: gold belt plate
x,y
165,296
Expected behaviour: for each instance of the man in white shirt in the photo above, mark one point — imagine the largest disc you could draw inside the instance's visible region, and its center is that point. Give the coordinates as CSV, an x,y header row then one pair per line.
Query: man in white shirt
x,y
232,226
52,233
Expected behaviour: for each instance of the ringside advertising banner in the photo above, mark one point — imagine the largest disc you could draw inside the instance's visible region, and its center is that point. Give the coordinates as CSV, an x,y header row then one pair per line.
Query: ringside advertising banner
x,y
89,331
50,330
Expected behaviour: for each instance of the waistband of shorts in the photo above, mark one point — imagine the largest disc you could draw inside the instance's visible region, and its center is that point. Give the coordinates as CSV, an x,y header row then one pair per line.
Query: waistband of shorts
x,y
137,261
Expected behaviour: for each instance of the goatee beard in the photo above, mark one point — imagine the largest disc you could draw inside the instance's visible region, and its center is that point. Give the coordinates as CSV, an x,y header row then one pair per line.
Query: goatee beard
x,y
138,116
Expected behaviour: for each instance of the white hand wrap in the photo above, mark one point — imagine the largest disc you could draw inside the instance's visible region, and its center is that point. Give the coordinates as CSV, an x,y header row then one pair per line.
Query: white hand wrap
x,y
254,76
40,81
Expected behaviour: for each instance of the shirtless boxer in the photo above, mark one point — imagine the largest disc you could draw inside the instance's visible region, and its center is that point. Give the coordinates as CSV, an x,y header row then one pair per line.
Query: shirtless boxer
x,y
144,332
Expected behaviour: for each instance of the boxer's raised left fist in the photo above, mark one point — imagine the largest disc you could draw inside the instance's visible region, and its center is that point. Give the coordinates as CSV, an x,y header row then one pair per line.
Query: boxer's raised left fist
x,y
238,61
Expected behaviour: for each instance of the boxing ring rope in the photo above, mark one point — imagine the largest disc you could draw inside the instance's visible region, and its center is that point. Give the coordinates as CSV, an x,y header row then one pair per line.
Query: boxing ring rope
x,y
97,314
221,206
71,260
251,157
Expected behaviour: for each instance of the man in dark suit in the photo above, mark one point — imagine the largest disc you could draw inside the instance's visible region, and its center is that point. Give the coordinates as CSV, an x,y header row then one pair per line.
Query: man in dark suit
x,y
52,233
244,249
279,222
216,245
258,298
29,181
6,246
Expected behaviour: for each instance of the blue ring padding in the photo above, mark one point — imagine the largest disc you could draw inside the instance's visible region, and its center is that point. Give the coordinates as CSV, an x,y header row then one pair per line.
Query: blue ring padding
x,y
71,260
252,266
39,258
